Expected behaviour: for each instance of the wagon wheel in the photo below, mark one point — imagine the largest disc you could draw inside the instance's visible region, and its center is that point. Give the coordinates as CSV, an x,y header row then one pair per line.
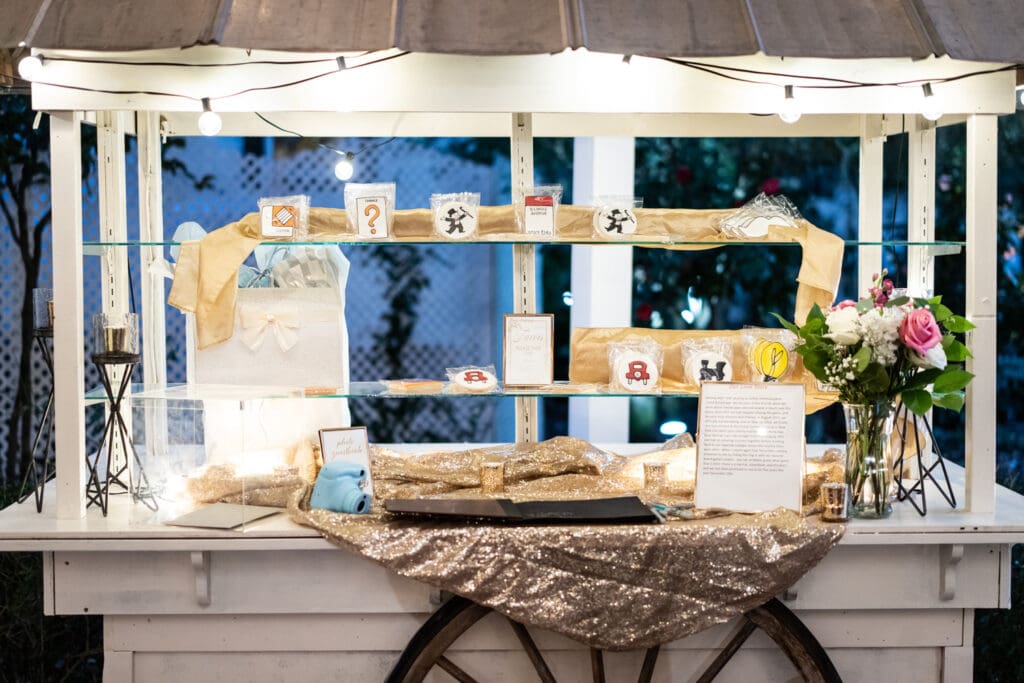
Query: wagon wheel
x,y
428,647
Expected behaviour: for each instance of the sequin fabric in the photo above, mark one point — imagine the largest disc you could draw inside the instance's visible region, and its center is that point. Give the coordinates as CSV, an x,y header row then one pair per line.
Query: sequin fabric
x,y
613,587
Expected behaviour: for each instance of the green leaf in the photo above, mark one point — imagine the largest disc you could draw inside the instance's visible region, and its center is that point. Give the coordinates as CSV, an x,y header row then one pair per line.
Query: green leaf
x,y
951,401
787,324
862,358
917,400
935,300
941,312
865,305
921,303
897,301
874,379
952,379
922,379
815,313
815,362
815,326
957,324
956,352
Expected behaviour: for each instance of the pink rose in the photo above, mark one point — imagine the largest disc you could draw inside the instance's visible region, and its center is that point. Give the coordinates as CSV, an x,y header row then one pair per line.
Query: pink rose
x,y
845,303
919,331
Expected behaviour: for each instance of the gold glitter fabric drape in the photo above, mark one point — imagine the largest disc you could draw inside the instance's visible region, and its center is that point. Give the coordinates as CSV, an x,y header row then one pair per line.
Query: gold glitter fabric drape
x,y
614,587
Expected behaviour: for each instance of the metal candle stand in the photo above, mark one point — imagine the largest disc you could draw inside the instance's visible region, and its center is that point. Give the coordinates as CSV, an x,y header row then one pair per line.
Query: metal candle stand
x,y
925,473
97,489
32,478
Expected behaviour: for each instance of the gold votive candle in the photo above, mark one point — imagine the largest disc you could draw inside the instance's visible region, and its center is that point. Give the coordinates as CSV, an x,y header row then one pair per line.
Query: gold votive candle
x,y
834,502
655,476
492,477
49,311
115,340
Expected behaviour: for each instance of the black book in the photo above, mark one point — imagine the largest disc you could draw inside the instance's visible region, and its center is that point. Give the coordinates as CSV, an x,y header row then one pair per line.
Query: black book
x,y
624,510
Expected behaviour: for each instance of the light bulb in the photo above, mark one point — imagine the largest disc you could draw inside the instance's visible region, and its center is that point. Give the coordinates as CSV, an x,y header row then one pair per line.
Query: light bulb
x,y
345,168
209,120
930,109
790,110
30,67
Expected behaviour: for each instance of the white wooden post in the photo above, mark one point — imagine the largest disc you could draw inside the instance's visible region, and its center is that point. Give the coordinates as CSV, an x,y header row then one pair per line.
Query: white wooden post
x,y
982,266
524,268
869,200
921,205
151,229
602,278
68,329
115,286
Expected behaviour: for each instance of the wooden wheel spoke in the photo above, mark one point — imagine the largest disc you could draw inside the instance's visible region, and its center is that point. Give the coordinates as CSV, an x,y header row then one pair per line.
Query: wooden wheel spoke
x,y
650,659
597,664
536,658
454,671
735,643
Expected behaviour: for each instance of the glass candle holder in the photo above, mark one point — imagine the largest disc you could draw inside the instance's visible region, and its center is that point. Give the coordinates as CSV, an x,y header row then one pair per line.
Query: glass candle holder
x,y
834,502
115,334
655,476
42,309
492,477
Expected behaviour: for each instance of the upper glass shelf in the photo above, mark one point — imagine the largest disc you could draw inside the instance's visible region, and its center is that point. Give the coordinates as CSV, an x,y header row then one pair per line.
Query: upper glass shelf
x,y
204,392
940,247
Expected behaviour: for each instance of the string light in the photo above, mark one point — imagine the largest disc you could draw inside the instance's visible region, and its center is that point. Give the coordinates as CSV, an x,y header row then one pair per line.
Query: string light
x,y
930,109
790,110
209,120
345,167
30,67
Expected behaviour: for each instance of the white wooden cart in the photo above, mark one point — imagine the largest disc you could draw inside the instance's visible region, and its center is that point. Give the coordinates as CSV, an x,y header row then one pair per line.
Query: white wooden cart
x,y
279,602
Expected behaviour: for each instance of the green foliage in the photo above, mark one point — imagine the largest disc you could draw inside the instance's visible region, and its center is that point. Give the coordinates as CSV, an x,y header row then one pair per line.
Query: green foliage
x,y
34,647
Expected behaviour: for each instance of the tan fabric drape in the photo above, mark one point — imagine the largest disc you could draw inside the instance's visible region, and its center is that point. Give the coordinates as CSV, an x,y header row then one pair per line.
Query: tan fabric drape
x,y
205,277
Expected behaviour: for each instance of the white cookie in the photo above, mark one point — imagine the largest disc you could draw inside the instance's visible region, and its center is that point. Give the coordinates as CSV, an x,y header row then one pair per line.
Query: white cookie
x,y
636,372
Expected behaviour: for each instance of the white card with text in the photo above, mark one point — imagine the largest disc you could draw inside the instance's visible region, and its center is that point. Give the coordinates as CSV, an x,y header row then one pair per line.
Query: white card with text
x,y
529,350
750,446
348,444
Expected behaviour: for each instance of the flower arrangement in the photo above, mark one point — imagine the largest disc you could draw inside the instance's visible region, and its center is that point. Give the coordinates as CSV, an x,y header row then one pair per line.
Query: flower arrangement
x,y
874,351
885,347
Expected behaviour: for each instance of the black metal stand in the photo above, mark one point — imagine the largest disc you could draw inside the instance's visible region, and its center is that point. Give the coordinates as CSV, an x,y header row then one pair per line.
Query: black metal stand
x,y
944,488
32,478
97,489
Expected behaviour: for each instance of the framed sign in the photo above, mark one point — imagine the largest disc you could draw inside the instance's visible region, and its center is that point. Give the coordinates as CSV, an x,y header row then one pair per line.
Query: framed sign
x,y
529,350
348,444
750,446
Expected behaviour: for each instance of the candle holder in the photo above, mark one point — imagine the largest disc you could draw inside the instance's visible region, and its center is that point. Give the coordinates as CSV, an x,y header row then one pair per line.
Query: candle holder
x,y
34,482
835,502
903,418
115,337
655,477
115,354
42,312
492,477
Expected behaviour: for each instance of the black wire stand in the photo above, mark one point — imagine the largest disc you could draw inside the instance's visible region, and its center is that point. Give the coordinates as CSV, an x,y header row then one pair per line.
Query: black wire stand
x,y
131,479
42,337
925,473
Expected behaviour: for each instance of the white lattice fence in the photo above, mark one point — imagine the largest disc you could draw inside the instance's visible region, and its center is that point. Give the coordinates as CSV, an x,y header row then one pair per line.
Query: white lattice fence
x,y
458,314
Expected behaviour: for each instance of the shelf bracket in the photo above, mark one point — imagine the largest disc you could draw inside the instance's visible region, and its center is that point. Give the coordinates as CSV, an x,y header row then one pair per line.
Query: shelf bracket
x,y
949,558
201,571
524,258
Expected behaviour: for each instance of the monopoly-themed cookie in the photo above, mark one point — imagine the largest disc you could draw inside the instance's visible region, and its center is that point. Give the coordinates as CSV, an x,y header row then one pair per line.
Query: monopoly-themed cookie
x,y
708,366
636,371
475,380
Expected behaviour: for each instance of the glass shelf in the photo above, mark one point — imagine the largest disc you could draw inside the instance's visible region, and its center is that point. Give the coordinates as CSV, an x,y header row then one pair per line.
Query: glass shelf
x,y
937,248
200,392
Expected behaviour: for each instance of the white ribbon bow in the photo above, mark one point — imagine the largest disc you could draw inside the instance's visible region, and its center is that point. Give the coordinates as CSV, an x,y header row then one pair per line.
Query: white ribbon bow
x,y
255,323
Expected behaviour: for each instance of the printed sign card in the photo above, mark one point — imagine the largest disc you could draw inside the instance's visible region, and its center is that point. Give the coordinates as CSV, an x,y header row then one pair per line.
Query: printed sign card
x,y
750,446
347,444
529,350
278,221
539,215
371,214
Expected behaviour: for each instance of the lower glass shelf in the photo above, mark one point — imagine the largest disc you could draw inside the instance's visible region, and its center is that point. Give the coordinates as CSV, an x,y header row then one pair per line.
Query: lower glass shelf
x,y
384,389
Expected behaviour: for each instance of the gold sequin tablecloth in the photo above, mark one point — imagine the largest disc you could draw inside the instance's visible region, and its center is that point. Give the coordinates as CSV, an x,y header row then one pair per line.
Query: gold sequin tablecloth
x,y
613,587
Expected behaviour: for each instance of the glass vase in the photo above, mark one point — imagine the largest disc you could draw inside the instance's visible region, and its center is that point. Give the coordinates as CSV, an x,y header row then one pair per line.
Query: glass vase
x,y
869,459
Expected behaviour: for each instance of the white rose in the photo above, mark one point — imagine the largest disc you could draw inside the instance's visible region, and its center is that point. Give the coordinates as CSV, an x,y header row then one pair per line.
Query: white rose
x,y
934,358
844,326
